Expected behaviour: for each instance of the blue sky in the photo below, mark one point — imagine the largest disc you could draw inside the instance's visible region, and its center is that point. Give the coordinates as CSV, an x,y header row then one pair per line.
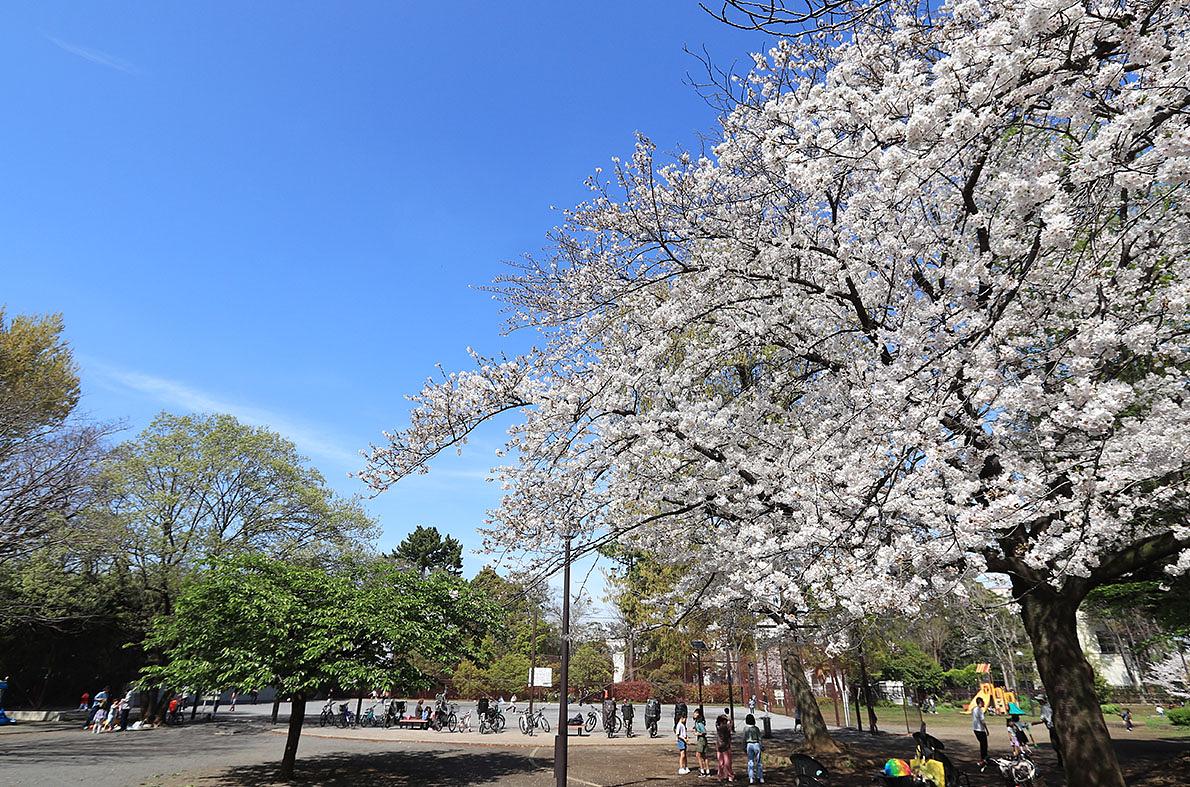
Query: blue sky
x,y
278,210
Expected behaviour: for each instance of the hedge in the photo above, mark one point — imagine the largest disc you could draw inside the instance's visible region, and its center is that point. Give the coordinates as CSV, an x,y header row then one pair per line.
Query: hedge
x,y
1179,716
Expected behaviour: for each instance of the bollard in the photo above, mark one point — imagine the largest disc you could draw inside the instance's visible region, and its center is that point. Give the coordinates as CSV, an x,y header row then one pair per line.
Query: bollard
x,y
768,727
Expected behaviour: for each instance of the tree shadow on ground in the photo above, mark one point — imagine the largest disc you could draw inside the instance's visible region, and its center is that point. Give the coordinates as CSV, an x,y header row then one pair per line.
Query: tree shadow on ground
x,y
393,768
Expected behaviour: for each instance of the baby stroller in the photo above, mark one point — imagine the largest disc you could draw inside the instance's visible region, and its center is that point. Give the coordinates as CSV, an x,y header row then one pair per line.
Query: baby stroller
x,y
652,716
930,768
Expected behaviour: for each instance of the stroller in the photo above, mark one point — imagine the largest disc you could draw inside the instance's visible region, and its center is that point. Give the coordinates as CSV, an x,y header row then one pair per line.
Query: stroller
x,y
930,768
652,716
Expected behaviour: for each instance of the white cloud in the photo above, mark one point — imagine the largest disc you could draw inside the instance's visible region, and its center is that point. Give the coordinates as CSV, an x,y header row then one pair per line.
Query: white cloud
x,y
173,393
94,55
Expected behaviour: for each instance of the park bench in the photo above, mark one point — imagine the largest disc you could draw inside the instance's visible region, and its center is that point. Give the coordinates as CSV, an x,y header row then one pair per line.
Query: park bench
x,y
412,724
576,728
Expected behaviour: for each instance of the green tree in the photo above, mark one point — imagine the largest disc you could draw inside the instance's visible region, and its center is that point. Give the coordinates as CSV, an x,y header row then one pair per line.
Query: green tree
x,y
912,666
426,551
190,488
256,621
469,680
46,460
590,668
509,674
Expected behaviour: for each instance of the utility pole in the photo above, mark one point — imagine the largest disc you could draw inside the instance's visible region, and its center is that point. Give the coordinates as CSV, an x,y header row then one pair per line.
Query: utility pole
x,y
730,691
560,741
532,665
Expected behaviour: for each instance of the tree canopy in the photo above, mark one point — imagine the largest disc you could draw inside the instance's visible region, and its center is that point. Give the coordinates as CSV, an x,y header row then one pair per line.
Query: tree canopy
x,y
426,551
254,621
919,314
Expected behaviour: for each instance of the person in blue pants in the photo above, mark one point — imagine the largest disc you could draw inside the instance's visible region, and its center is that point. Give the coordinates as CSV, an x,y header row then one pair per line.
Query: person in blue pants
x,y
752,745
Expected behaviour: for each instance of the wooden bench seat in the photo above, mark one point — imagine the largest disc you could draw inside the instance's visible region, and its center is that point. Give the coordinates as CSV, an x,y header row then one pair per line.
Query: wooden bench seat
x,y
581,729
413,724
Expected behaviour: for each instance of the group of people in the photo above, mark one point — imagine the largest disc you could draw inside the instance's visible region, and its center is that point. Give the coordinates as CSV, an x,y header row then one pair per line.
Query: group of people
x,y
104,713
1018,731
725,770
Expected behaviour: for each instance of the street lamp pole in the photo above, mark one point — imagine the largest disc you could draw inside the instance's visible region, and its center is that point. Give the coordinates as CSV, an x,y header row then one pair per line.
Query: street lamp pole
x,y
699,647
560,742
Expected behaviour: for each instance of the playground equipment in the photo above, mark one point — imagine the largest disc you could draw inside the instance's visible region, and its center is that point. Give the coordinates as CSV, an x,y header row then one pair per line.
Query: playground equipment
x,y
995,698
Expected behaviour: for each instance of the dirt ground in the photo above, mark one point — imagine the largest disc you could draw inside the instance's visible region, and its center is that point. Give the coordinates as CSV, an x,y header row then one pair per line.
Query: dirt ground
x,y
247,753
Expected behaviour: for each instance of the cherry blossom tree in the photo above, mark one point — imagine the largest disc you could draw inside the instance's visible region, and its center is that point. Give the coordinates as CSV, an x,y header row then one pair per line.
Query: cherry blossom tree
x,y
921,314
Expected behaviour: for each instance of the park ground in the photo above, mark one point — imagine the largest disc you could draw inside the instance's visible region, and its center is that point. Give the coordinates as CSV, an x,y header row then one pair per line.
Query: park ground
x,y
245,751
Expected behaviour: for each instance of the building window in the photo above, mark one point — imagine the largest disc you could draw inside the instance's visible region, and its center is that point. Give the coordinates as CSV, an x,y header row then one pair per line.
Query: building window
x,y
1107,643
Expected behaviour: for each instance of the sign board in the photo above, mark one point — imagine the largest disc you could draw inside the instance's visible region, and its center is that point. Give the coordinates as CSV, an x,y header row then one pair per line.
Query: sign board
x,y
542,676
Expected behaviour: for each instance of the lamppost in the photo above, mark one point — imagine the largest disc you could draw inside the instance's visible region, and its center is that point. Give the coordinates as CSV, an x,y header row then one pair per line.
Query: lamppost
x,y
699,646
560,742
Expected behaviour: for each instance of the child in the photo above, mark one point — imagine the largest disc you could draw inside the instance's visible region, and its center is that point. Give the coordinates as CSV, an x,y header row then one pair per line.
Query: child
x,y
723,733
1017,738
703,750
1127,716
97,719
752,745
680,731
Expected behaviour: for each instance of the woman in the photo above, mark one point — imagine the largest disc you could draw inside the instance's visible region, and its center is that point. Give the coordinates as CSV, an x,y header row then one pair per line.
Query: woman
x,y
723,733
680,731
752,744
703,746
980,728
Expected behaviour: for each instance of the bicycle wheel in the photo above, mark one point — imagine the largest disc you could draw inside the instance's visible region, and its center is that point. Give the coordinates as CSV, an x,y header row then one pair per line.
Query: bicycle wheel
x,y
590,723
616,724
524,722
322,719
545,723
452,722
499,723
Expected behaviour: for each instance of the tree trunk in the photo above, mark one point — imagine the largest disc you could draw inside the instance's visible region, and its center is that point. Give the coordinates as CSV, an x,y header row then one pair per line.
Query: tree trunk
x,y
297,715
818,738
866,687
276,705
1089,758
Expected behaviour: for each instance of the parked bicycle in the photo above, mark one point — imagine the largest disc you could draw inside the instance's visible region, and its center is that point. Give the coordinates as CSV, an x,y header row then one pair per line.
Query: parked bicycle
x,y
490,717
327,716
345,718
464,723
370,719
531,722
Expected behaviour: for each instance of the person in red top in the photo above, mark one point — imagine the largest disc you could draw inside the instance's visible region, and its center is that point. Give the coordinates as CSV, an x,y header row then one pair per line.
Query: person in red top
x,y
85,702
173,709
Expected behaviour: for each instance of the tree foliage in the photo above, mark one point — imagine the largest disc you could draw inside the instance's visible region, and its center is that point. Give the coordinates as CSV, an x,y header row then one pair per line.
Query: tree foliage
x,y
190,488
46,461
426,551
253,621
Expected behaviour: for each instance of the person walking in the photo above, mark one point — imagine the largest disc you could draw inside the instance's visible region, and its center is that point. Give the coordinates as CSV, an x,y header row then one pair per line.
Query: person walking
x,y
702,747
627,711
1127,717
680,731
980,728
752,746
234,696
723,734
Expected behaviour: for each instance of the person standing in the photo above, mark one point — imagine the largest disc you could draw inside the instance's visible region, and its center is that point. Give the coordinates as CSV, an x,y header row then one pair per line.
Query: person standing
x,y
752,746
234,696
980,728
680,731
85,702
627,711
1047,718
723,735
702,747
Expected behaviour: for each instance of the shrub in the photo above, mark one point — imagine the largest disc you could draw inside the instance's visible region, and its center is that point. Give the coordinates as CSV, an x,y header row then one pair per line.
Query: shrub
x,y
1110,709
1179,716
635,690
